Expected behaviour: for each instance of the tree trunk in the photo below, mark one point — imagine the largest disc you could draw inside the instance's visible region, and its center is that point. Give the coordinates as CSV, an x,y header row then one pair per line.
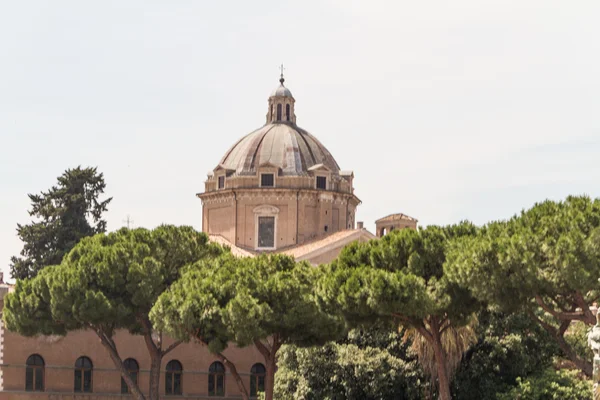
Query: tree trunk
x,y
440,361
236,375
109,345
585,366
558,335
270,355
270,377
155,361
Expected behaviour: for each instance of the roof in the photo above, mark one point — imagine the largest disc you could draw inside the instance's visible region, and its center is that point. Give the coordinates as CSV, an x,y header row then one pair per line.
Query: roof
x,y
307,250
281,91
341,238
283,145
236,251
397,217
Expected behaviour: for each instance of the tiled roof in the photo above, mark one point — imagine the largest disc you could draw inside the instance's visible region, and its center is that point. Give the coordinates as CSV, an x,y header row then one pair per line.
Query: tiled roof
x,y
396,217
342,237
236,251
307,248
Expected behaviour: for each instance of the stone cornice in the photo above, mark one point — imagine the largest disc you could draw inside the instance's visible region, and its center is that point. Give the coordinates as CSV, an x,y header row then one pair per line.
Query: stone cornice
x,y
227,195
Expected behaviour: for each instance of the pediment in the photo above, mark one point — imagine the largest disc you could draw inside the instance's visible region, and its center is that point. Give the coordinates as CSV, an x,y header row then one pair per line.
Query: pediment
x,y
319,167
266,210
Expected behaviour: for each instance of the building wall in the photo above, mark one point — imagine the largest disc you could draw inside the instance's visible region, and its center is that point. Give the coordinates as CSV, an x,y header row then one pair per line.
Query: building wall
x,y
60,354
303,215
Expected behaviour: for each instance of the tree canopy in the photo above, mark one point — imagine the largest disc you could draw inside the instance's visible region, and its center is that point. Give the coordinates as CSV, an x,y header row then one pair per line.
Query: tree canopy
x,y
401,277
545,261
266,301
64,214
109,282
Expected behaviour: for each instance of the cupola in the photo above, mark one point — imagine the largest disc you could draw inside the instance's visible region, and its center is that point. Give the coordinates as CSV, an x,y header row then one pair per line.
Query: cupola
x,y
281,105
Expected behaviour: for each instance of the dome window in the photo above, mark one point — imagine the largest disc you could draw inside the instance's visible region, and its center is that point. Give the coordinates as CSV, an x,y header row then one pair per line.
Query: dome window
x,y
267,180
221,182
322,182
287,112
278,112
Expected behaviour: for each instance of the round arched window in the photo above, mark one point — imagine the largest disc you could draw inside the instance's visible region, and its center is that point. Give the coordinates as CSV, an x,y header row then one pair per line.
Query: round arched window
x,y
174,378
216,379
34,373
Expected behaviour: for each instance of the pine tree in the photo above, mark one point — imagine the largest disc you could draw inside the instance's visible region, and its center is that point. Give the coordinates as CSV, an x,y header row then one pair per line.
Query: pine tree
x,y
63,216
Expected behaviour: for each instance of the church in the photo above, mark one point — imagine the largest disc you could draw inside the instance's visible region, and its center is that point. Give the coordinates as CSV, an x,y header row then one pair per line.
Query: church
x,y
276,190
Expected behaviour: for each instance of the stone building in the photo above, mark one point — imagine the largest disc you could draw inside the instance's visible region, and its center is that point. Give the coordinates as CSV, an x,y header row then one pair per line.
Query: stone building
x,y
277,189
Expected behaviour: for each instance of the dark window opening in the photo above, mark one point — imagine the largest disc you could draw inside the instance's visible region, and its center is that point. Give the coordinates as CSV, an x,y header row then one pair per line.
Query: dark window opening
x,y
287,112
83,375
257,379
321,182
278,112
174,378
266,232
34,374
216,379
326,228
267,180
133,370
221,181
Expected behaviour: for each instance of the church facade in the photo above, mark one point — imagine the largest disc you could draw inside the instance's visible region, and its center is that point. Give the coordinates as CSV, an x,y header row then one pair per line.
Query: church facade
x,y
276,190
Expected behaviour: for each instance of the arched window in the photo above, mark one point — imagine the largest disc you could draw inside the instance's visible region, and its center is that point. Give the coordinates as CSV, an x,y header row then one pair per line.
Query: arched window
x,y
174,378
83,375
34,374
278,112
287,112
133,370
257,379
216,379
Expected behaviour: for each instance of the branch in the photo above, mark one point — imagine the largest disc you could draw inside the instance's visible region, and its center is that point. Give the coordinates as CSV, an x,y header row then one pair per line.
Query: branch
x,y
171,347
231,366
589,317
110,346
424,332
263,349
152,347
562,316
549,328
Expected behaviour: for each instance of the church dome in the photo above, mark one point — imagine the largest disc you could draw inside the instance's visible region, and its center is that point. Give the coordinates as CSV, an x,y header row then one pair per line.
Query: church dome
x,y
280,144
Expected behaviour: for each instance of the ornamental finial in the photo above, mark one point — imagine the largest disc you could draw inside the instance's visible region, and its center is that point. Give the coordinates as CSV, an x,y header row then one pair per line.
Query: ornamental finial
x,y
281,79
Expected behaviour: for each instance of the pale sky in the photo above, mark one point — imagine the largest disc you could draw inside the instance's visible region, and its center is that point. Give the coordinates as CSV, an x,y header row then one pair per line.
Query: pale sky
x,y
445,110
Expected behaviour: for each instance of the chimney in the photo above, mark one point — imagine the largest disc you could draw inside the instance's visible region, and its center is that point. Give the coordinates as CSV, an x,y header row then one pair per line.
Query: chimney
x,y
360,225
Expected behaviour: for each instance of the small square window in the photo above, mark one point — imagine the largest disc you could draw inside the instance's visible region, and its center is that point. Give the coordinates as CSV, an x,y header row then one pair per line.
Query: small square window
x,y
221,181
321,182
267,180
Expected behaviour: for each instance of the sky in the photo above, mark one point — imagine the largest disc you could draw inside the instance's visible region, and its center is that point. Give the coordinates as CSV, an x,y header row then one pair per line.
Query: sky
x,y
445,111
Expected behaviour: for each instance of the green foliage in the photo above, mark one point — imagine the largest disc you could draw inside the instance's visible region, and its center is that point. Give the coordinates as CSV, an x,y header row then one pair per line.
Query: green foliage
x,y
370,364
106,282
550,385
545,261
242,300
509,347
64,215
402,273
551,250
109,282
401,277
